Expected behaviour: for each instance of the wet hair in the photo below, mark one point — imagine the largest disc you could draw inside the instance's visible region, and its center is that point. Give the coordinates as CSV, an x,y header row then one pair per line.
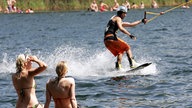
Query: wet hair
x,y
61,68
21,59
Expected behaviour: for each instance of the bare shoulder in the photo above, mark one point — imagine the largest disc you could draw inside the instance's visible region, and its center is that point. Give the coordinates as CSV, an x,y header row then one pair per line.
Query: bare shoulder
x,y
117,18
70,79
14,76
51,80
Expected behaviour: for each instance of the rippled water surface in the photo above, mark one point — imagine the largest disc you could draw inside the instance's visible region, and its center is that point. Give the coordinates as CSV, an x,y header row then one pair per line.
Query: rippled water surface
x,y
77,37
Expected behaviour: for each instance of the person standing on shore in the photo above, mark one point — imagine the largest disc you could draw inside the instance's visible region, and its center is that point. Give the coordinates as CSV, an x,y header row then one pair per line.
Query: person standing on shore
x,y
186,4
154,4
134,6
93,6
116,45
103,6
142,5
24,83
115,7
127,5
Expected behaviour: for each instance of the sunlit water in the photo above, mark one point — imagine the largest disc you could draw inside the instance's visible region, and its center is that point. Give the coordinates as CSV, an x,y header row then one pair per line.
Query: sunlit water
x,y
77,37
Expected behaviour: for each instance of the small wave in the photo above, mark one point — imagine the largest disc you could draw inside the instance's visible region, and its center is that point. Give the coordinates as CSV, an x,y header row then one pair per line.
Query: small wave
x,y
161,29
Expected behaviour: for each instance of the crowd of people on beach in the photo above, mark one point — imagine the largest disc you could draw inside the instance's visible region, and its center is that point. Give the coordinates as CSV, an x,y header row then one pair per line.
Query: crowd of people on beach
x,y
11,8
95,6
101,6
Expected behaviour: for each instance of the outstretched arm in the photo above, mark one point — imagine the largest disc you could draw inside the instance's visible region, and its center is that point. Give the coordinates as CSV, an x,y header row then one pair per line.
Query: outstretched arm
x,y
127,24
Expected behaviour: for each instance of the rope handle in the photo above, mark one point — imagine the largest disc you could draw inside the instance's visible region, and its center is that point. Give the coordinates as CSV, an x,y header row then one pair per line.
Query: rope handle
x,y
161,13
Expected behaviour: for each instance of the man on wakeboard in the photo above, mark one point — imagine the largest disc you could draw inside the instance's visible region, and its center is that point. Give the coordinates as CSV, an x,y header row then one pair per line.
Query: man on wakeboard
x,y
116,45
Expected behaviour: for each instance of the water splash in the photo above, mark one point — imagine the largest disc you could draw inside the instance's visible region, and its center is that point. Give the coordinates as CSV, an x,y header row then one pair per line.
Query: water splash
x,y
81,62
7,65
100,64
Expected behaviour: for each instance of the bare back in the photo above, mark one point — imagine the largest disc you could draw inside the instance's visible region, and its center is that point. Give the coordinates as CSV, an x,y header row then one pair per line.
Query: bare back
x,y
25,88
24,82
63,92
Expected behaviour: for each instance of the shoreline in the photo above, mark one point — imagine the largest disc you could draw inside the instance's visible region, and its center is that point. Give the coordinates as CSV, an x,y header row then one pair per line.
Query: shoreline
x,y
76,5
45,11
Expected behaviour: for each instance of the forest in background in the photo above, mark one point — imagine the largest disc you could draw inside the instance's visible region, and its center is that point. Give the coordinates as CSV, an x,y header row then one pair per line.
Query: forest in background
x,y
76,5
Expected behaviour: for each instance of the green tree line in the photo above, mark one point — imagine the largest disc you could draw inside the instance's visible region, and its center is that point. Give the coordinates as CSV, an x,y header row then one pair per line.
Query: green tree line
x,y
68,5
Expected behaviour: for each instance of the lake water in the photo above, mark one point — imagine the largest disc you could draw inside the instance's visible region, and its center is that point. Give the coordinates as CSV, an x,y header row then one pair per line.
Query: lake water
x,y
77,37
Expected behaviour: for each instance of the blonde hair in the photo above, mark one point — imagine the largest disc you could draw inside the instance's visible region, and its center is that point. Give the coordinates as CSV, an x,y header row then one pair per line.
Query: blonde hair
x,y
21,59
61,68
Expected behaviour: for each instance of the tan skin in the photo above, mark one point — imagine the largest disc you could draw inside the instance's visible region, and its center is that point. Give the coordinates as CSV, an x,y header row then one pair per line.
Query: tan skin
x,y
154,4
94,6
62,92
26,83
105,5
121,26
115,7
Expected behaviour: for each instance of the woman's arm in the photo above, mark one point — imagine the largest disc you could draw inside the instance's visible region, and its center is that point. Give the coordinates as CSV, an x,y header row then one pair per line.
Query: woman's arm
x,y
73,98
41,68
48,97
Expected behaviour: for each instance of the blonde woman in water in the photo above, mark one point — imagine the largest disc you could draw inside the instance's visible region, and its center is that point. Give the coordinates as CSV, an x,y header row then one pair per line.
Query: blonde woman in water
x,y
24,82
61,89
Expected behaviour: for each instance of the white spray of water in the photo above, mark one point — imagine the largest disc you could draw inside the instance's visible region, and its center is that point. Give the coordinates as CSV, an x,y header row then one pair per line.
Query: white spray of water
x,y
99,64
7,66
81,63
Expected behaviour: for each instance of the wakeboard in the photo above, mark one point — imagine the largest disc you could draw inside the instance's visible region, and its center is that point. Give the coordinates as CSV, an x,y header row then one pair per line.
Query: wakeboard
x,y
139,67
123,75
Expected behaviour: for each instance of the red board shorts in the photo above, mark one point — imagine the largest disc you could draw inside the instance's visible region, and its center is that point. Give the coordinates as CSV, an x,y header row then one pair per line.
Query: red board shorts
x,y
116,47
